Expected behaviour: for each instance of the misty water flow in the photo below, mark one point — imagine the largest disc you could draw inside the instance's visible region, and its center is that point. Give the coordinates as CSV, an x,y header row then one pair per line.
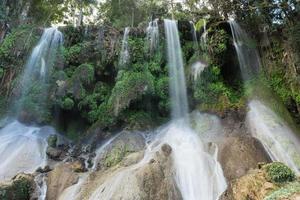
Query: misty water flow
x,y
124,54
279,140
22,147
39,65
153,35
197,69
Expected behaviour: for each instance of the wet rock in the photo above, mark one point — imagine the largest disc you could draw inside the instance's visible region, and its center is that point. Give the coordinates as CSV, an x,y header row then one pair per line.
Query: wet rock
x,y
78,166
61,177
239,154
19,188
46,169
54,153
149,181
132,158
166,149
252,186
125,144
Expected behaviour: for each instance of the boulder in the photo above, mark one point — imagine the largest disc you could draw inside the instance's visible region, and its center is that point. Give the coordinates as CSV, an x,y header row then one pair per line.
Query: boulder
x,y
124,144
61,177
54,153
147,180
239,154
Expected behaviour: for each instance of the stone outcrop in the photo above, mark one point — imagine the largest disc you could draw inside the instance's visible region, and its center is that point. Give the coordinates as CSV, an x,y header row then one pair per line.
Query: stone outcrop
x,y
61,177
239,154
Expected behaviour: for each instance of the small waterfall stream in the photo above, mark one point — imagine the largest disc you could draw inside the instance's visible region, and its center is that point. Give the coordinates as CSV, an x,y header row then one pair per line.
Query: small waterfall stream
x,y
22,147
177,83
153,35
190,159
124,54
279,140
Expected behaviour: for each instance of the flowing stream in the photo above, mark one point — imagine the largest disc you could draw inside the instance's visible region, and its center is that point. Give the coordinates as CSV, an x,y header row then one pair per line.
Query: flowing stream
x,y
279,140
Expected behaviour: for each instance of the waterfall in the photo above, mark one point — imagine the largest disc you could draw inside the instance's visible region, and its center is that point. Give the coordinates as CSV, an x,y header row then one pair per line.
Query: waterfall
x,y
176,71
153,35
39,66
246,52
124,54
197,69
204,37
279,140
23,148
195,38
198,175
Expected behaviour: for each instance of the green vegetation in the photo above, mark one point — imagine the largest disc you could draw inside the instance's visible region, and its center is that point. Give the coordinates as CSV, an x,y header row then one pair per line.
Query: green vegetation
x,y
279,173
284,192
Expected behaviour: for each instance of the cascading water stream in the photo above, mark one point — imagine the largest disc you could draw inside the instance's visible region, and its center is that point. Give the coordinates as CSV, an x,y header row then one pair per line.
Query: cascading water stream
x,y
39,65
23,148
278,139
195,38
204,37
197,174
190,159
176,72
247,54
124,54
153,35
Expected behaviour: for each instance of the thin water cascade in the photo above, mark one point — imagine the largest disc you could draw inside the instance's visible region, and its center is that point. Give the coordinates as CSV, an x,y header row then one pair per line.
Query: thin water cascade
x,y
247,54
197,69
176,72
41,185
153,35
203,40
40,64
279,140
124,54
23,148
190,159
195,38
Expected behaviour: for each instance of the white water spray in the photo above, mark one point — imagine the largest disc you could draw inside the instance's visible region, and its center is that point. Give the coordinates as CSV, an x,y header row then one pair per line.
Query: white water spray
x,y
39,65
197,69
176,72
22,149
198,175
124,54
246,52
204,37
153,35
278,139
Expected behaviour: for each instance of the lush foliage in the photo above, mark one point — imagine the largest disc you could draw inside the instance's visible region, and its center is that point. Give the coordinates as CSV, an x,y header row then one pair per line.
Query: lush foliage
x,y
279,173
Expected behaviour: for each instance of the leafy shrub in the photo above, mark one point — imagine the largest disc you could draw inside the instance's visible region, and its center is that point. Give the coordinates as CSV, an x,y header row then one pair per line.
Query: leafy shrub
x,y
130,86
279,173
68,103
